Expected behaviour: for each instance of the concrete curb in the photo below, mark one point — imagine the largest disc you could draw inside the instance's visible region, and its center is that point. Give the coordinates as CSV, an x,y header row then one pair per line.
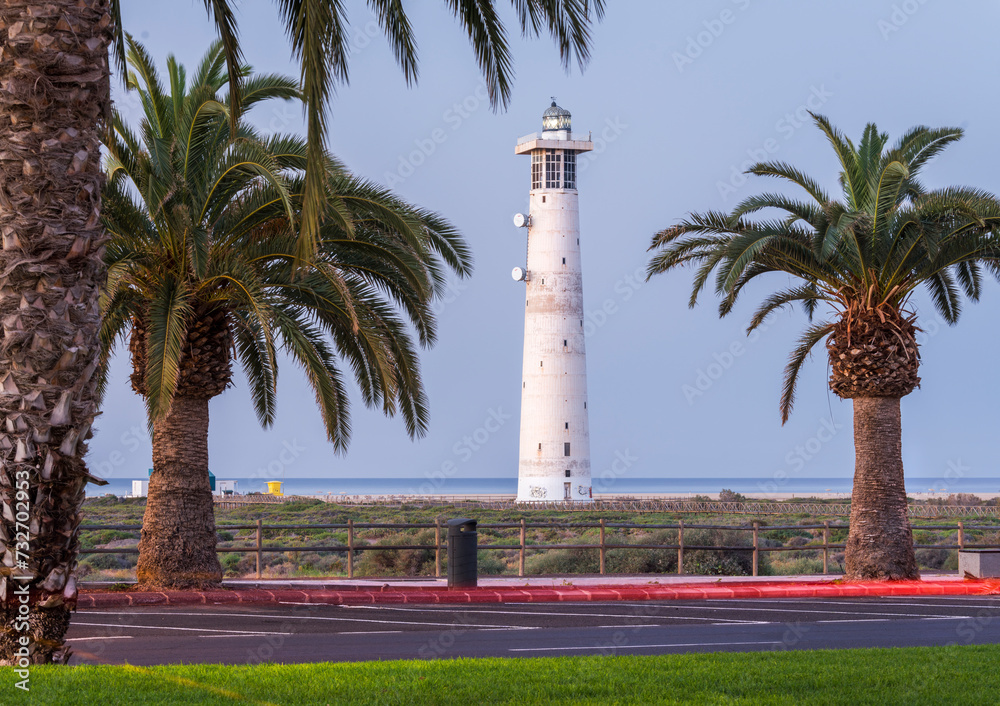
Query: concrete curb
x,y
367,595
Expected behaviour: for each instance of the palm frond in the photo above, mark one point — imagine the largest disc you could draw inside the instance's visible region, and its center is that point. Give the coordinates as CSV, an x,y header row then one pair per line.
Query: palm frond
x,y
790,173
319,41
778,300
852,178
812,335
870,249
169,312
224,18
398,31
205,215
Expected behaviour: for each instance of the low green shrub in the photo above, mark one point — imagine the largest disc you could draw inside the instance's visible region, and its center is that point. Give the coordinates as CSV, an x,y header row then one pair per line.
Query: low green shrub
x,y
804,564
97,538
399,562
491,562
109,561
563,561
932,558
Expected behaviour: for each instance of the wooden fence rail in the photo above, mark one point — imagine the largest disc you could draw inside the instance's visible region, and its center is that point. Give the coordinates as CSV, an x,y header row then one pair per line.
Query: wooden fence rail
x,y
523,546
635,505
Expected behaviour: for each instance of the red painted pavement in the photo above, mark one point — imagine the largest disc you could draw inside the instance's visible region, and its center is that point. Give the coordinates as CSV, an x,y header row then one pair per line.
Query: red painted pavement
x,y
359,595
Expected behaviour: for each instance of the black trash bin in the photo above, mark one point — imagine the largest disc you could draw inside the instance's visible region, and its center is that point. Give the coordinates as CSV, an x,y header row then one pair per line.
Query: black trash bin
x,y
463,546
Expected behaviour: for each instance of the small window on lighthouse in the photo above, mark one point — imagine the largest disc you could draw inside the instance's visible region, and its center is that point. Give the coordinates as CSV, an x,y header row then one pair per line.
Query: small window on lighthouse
x,y
536,170
564,260
539,445
567,425
566,449
568,473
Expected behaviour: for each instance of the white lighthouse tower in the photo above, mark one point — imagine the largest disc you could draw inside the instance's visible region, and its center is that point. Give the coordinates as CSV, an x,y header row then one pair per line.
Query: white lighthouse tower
x,y
554,462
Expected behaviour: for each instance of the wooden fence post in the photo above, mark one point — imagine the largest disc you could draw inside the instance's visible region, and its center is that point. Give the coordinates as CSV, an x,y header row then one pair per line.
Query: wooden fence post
x,y
602,546
520,558
756,545
350,549
437,547
680,547
961,534
826,546
260,543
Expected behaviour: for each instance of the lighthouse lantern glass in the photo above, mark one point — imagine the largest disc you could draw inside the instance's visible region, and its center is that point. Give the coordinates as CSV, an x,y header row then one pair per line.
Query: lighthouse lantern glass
x,y
556,122
555,118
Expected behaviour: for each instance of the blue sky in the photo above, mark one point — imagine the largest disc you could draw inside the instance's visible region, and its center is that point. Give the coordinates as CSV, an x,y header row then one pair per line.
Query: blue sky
x,y
679,98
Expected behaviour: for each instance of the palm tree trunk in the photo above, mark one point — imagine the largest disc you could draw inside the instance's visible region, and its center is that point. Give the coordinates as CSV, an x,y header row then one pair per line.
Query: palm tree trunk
x,y
54,99
177,547
879,542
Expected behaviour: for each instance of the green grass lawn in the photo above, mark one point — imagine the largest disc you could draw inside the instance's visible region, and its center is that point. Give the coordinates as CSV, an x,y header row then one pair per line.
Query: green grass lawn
x,y
924,675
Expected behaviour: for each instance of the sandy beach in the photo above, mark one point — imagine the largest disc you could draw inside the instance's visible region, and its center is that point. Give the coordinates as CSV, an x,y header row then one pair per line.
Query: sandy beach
x,y
777,496
497,497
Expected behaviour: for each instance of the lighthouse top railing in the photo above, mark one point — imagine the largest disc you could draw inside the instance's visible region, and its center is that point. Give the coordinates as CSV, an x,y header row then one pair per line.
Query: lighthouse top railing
x,y
542,136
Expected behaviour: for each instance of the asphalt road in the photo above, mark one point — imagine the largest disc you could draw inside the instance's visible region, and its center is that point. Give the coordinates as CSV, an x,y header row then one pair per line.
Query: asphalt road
x,y
286,633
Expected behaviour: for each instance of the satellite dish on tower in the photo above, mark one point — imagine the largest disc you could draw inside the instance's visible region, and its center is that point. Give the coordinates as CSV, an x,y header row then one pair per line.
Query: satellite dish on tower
x,y
521,220
518,274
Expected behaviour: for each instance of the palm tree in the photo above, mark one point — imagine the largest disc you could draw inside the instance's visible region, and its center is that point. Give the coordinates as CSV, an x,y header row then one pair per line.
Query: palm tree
x,y
862,257
201,270
55,92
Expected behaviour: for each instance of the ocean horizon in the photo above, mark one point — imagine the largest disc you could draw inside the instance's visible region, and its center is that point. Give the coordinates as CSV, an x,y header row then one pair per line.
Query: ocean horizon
x,y
618,485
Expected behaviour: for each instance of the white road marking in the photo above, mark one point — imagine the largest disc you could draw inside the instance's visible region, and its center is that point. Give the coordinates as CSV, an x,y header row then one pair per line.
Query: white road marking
x,y
569,615
371,632
160,627
249,634
822,612
967,598
889,620
302,617
367,632
874,602
108,637
728,624
640,647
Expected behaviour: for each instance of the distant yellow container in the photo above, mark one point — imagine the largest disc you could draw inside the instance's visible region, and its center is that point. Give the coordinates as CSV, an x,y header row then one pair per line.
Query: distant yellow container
x,y
274,487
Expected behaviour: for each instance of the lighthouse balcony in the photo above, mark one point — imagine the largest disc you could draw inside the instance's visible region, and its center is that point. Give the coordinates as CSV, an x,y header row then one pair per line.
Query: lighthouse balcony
x,y
538,141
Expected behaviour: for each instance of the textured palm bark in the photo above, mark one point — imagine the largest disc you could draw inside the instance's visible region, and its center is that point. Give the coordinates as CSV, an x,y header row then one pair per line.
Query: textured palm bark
x,y
177,549
54,99
177,546
874,353
879,542
205,368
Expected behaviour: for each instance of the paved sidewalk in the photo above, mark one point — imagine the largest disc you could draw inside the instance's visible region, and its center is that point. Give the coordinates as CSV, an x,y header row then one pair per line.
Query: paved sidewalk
x,y
539,590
